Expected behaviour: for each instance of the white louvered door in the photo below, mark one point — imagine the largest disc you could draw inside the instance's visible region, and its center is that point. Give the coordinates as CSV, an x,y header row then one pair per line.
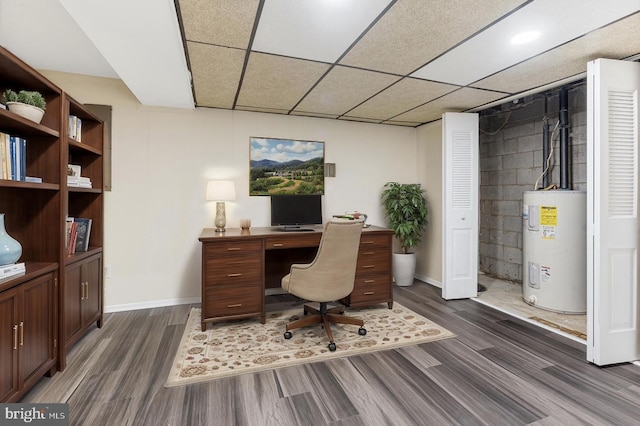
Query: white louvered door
x,y
460,207
613,115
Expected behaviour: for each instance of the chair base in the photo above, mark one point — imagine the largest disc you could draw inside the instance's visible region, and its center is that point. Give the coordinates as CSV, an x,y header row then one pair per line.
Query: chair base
x,y
324,316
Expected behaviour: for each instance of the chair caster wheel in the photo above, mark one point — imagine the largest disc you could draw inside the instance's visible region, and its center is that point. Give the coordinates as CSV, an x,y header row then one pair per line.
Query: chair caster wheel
x,y
288,335
362,331
332,347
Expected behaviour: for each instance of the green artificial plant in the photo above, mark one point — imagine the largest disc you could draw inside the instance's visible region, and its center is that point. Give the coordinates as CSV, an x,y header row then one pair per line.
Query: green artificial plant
x,y
25,97
406,209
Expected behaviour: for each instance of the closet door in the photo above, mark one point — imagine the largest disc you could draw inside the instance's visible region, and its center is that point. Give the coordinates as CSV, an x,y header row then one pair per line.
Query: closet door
x,y
612,211
460,207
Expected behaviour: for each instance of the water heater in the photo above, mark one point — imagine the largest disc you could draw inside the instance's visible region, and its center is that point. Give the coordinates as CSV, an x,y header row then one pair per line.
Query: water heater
x,y
554,250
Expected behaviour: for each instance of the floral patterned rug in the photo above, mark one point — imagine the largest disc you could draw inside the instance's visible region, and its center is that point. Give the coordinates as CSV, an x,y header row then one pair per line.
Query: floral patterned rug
x,y
246,346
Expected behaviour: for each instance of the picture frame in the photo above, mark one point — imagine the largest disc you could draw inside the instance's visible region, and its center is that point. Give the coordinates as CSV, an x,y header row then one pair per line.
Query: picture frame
x,y
285,166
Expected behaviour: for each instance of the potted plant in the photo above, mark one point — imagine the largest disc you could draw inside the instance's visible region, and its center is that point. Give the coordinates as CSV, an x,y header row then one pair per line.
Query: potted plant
x,y
27,104
406,210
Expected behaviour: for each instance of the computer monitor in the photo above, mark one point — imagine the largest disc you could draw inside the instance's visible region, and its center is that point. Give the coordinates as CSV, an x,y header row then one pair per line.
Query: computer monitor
x,y
290,212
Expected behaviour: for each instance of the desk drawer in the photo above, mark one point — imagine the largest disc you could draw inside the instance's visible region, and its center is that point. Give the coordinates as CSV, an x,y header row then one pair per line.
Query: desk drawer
x,y
237,248
373,260
229,300
369,240
300,239
236,270
371,289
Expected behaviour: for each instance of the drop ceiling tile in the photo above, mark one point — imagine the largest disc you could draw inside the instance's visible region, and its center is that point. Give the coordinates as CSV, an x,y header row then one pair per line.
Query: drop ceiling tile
x,y
216,74
222,22
460,100
315,30
557,22
569,59
342,89
413,32
402,96
277,82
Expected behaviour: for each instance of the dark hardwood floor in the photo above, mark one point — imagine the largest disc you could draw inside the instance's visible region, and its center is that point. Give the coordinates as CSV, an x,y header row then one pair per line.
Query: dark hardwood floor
x,y
497,371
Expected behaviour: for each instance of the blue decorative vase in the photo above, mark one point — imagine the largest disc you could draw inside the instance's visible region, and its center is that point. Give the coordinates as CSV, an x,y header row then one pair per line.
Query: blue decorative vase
x,y
10,249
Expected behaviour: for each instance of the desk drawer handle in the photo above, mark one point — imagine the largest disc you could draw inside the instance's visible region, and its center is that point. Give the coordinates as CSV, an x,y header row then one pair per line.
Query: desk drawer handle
x,y
369,293
368,266
233,275
367,242
278,244
369,281
236,305
233,248
368,253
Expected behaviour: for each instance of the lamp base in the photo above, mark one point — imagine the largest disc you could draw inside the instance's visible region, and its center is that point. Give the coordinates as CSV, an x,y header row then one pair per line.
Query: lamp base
x,y
221,219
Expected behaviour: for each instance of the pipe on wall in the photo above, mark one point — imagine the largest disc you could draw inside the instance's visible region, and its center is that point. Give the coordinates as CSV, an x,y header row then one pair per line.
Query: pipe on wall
x,y
564,138
546,180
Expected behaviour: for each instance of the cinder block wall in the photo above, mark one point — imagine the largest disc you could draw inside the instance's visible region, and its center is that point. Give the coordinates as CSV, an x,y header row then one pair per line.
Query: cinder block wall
x,y
511,161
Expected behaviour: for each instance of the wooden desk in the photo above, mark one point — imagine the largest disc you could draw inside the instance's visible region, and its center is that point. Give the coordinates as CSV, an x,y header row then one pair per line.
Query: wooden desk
x,y
237,267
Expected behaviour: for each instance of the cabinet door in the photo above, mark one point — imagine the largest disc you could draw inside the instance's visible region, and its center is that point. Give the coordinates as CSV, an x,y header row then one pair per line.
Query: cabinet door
x,y
8,344
92,279
35,332
73,293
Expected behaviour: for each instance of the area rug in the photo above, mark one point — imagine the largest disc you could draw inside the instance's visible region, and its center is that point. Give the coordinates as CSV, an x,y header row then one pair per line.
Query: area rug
x,y
247,346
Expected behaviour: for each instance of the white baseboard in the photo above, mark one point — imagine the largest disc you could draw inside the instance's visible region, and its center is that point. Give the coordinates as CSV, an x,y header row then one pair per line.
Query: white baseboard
x,y
150,304
428,280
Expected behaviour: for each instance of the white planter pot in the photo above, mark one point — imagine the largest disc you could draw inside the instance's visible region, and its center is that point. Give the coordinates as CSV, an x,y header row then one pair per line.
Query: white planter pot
x,y
404,268
29,112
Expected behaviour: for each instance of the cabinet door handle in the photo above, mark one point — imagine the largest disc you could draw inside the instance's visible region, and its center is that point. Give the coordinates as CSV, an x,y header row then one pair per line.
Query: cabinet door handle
x,y
368,253
236,305
233,248
15,337
369,281
368,266
278,244
21,333
369,293
86,290
366,242
233,275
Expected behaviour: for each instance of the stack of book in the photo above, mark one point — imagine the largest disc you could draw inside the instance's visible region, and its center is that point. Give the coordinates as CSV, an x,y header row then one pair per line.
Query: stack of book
x,y
11,269
74,177
78,234
13,155
75,128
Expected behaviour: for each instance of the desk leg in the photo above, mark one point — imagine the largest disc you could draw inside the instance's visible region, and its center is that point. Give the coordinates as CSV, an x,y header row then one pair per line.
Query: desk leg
x,y
263,318
390,304
203,325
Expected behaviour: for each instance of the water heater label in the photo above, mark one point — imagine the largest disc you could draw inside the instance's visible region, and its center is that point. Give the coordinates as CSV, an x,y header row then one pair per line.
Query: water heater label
x,y
548,232
548,216
545,274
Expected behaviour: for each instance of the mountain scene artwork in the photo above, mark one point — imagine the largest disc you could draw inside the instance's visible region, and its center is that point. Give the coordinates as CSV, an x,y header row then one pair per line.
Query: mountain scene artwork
x,y
286,166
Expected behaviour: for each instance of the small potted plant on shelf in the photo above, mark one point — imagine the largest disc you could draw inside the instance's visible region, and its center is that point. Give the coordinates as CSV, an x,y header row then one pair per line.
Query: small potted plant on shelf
x,y
27,104
406,210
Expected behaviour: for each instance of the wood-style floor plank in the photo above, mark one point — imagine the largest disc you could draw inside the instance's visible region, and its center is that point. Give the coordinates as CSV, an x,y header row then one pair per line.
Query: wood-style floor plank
x,y
498,370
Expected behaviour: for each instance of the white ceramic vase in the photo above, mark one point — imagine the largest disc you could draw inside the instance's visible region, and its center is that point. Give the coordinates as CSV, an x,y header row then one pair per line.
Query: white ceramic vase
x,y
10,248
404,268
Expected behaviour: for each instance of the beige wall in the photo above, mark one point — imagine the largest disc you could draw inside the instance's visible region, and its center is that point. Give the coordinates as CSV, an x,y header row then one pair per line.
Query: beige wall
x,y
429,149
163,157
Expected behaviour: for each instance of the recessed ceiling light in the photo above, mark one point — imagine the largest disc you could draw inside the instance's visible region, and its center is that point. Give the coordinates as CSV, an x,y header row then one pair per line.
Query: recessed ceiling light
x,y
525,37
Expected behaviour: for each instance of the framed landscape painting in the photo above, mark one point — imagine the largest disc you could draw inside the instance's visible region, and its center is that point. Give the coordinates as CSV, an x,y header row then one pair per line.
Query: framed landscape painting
x,y
286,166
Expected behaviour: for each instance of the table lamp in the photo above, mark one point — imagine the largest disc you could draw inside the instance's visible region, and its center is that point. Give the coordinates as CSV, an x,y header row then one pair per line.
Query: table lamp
x,y
220,191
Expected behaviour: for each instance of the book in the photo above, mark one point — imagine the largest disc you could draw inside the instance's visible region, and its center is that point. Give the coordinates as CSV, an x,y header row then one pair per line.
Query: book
x,y
33,179
13,157
22,158
73,235
11,270
83,233
4,155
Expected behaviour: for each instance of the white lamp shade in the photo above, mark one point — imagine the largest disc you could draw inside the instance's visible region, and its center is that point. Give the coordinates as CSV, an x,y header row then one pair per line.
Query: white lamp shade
x,y
221,190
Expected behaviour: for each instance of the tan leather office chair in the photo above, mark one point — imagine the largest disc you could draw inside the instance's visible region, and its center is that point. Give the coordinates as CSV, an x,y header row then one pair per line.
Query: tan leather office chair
x,y
328,278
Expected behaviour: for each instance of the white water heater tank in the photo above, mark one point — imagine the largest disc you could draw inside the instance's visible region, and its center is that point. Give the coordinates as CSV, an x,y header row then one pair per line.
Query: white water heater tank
x,y
554,250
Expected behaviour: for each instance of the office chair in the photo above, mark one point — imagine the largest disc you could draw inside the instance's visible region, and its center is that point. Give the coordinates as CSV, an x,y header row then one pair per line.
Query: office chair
x,y
329,277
